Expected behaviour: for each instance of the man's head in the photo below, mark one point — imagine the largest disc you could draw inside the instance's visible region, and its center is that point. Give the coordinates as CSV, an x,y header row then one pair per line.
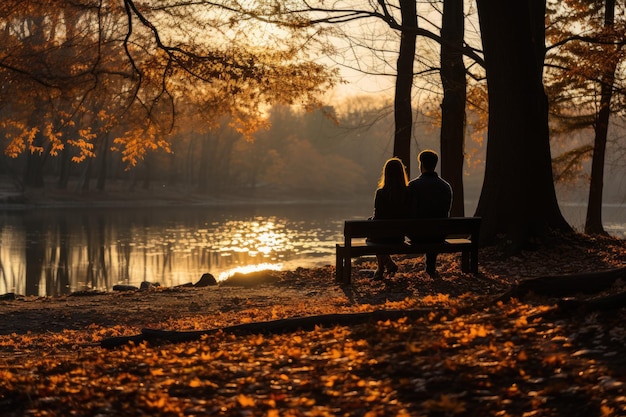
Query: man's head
x,y
428,160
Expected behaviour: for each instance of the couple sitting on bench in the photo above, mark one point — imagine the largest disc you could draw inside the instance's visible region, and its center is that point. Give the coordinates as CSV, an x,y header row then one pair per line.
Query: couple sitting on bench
x,y
427,196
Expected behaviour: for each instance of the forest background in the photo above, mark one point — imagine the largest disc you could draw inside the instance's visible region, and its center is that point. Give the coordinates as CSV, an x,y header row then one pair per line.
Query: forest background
x,y
242,99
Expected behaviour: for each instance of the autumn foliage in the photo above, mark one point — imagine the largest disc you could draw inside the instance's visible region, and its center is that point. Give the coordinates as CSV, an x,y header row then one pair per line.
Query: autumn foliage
x,y
82,79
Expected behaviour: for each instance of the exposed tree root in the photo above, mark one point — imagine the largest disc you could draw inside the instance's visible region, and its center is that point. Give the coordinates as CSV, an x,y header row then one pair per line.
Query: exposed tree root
x,y
566,285
604,303
558,286
273,326
571,289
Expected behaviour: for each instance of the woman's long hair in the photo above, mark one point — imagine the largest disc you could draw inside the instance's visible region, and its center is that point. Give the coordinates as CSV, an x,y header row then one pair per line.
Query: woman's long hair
x,y
394,175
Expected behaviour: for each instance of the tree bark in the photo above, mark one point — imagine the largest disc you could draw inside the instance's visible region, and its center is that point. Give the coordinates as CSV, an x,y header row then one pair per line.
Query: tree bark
x,y
593,221
403,111
518,200
453,105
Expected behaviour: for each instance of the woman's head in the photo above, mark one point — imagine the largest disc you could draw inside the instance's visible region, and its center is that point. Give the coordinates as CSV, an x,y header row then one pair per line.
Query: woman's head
x,y
393,174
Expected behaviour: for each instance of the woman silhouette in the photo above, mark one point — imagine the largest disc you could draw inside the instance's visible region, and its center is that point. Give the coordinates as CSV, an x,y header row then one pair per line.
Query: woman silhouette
x,y
391,202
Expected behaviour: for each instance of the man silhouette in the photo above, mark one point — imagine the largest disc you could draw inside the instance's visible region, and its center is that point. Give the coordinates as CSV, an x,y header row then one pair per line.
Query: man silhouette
x,y
429,197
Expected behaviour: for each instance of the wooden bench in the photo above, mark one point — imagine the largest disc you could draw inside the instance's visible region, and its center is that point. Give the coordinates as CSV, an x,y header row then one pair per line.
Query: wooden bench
x,y
461,236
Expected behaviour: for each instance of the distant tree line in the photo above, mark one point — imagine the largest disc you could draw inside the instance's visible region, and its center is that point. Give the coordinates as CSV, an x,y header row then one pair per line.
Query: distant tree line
x,y
329,152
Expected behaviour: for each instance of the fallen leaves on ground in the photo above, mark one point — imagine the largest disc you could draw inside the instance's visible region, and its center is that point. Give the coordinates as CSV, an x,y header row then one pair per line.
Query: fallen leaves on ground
x,y
468,357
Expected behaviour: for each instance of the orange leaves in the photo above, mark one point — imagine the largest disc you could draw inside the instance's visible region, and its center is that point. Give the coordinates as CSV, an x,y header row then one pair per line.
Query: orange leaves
x,y
436,299
494,360
47,137
84,144
463,332
19,136
446,404
245,401
137,142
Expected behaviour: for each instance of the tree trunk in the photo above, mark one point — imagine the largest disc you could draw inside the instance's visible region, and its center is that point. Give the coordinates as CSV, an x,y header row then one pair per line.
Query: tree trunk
x,y
403,111
593,221
33,174
147,171
102,171
453,104
64,169
518,200
87,173
206,163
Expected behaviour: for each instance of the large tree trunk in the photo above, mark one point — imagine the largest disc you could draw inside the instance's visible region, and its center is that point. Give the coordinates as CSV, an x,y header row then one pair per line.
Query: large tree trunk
x,y
453,104
403,110
518,200
593,222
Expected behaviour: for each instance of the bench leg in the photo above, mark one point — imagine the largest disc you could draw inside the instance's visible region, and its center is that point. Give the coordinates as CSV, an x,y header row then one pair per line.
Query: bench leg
x,y
465,261
474,261
343,265
338,263
347,270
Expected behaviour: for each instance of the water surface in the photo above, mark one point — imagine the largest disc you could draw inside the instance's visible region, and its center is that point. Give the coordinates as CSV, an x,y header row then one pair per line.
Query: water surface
x,y
53,252
49,252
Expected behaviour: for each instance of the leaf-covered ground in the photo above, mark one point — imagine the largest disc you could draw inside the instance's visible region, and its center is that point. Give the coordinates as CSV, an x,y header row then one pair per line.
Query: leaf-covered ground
x,y
466,355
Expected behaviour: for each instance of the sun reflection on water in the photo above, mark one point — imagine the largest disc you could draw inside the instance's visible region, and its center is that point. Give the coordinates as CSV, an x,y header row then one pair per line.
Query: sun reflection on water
x,y
248,269
96,252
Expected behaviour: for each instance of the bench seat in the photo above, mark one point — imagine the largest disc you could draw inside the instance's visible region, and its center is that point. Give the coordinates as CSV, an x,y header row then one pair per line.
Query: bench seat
x,y
461,235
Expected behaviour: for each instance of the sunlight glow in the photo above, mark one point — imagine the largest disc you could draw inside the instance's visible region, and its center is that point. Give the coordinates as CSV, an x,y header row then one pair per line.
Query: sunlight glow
x,y
249,269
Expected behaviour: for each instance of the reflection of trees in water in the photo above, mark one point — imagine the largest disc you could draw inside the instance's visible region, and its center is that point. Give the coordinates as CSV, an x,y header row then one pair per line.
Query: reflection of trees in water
x,y
12,245
35,254
123,261
3,275
97,271
94,249
62,263
166,263
57,271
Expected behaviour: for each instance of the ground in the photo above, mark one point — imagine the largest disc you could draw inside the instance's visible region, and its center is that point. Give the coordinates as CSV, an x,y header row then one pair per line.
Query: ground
x,y
459,351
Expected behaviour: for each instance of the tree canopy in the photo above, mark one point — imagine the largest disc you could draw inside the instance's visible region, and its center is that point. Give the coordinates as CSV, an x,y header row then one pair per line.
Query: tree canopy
x,y
85,69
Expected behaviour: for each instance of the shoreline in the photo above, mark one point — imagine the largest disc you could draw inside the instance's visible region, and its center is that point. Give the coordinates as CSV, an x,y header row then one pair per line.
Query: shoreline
x,y
558,256
166,202
121,196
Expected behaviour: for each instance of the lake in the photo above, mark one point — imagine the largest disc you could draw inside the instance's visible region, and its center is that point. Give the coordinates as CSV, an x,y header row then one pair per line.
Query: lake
x,y
58,251
51,252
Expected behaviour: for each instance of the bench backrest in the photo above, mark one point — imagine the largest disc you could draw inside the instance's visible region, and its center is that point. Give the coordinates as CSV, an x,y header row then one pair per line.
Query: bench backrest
x,y
468,226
